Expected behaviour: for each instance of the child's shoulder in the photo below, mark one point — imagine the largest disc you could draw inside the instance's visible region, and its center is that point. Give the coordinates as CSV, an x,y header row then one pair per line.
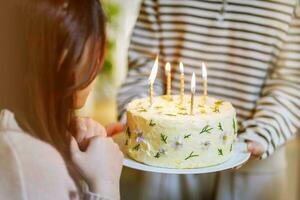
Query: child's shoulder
x,y
31,164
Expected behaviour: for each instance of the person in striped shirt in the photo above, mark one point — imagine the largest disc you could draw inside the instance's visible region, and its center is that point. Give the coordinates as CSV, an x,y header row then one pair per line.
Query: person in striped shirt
x,y
252,50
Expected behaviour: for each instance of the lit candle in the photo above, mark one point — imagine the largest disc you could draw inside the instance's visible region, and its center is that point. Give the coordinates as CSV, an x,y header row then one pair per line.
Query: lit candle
x,y
152,79
204,76
168,74
181,67
193,90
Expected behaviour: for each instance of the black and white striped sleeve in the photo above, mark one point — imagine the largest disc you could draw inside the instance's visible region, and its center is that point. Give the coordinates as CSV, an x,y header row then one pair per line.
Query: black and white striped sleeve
x,y
277,115
144,47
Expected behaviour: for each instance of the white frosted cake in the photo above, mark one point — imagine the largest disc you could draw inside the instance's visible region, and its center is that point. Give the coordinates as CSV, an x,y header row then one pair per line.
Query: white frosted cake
x,y
166,135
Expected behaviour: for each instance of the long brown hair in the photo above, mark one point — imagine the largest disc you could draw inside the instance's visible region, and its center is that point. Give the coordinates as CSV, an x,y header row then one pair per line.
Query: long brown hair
x,y
60,49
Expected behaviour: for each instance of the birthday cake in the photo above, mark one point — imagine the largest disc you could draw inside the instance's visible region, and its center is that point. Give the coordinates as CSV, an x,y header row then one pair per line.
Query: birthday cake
x,y
167,135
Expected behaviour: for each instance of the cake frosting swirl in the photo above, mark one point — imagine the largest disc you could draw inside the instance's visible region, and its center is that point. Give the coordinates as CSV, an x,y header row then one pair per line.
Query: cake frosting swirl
x,y
166,135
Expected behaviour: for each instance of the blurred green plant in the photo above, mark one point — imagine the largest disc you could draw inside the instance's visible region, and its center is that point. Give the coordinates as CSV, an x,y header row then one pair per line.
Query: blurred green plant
x,y
105,87
112,11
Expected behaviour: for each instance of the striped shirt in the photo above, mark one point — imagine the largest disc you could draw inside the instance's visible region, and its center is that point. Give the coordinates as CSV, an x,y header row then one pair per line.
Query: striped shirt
x,y
251,49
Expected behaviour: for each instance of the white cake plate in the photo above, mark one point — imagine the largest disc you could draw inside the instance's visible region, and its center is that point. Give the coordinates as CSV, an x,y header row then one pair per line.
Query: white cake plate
x,y
240,156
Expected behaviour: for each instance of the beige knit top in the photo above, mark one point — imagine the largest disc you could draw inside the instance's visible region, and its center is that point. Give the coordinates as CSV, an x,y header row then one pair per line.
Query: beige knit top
x,y
31,169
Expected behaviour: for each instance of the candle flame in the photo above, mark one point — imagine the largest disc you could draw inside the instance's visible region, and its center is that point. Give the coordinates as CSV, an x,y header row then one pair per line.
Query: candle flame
x,y
168,67
154,70
181,67
204,71
193,83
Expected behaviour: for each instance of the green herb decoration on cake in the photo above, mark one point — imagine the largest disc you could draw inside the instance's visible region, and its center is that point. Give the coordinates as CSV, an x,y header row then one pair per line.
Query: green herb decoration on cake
x,y
128,132
234,125
220,126
137,147
170,114
182,113
142,110
216,109
161,151
187,136
181,108
157,155
152,123
206,129
220,152
191,155
163,138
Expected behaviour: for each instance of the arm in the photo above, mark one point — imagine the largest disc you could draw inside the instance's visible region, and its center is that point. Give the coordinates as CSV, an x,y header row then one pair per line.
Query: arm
x,y
143,49
277,115
97,158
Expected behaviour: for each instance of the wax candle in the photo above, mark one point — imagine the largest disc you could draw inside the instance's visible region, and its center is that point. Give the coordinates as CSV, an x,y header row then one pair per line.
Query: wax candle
x,y
151,80
168,74
181,67
204,77
193,90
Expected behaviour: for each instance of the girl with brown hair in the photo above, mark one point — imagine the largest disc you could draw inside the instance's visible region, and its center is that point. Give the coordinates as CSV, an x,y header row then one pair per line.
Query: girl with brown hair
x,y
53,53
